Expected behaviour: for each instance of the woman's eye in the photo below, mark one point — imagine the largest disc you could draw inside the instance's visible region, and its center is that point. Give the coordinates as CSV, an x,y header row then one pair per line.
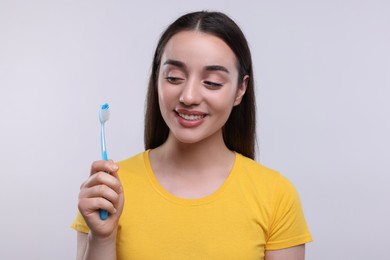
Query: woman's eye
x,y
212,84
174,80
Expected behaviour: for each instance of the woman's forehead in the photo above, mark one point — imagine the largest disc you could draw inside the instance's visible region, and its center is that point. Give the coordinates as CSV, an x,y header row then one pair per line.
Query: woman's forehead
x,y
192,47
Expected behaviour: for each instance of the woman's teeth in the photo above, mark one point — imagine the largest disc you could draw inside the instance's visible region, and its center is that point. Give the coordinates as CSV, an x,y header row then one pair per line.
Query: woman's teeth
x,y
191,117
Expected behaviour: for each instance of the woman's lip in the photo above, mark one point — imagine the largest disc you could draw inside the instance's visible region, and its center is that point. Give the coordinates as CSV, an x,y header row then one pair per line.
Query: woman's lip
x,y
189,112
188,118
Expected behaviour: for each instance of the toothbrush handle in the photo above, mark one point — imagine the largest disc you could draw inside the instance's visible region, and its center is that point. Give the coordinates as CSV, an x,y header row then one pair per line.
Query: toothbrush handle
x,y
103,142
103,213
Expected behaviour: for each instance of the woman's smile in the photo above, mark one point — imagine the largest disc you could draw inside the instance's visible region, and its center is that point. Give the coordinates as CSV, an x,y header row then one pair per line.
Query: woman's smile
x,y
188,118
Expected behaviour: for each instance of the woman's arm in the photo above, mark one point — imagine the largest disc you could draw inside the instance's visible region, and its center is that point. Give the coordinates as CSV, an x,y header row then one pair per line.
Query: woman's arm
x,y
291,253
100,191
82,241
96,249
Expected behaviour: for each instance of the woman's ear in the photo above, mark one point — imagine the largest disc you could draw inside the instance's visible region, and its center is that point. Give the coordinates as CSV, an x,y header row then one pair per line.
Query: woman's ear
x,y
241,90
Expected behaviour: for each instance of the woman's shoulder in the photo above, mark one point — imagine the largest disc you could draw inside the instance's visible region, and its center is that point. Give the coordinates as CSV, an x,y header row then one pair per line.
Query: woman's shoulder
x,y
260,174
252,167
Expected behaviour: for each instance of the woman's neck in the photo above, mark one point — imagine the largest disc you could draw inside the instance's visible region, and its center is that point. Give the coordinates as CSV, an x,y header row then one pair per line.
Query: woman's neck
x,y
192,170
204,153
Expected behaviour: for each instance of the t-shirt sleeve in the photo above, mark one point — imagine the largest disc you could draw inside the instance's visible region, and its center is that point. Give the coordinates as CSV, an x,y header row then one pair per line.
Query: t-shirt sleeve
x,y
287,224
79,224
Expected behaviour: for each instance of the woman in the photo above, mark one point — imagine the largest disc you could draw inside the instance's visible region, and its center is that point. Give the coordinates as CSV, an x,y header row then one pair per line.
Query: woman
x,y
196,192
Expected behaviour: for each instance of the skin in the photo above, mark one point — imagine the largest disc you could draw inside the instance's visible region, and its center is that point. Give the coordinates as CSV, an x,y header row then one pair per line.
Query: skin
x,y
198,87
292,253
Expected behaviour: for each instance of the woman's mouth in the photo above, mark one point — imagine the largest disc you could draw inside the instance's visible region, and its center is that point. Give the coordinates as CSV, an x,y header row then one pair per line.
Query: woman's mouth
x,y
191,117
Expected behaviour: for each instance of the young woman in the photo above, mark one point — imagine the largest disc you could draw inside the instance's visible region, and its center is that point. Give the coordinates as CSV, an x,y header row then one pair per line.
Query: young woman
x,y
195,192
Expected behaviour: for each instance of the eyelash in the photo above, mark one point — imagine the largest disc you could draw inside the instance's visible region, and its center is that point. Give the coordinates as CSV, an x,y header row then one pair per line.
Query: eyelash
x,y
210,84
174,80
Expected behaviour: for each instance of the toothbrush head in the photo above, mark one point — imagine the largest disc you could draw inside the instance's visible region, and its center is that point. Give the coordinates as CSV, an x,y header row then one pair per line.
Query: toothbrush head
x,y
104,113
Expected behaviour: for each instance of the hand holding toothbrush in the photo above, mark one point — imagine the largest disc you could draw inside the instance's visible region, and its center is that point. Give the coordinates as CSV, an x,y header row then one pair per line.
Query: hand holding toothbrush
x,y
102,191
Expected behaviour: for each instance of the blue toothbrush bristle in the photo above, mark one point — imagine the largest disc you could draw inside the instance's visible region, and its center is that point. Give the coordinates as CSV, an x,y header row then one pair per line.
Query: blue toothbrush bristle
x,y
104,113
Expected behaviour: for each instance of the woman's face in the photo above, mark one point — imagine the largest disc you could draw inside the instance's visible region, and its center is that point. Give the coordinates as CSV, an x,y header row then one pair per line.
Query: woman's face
x,y
197,85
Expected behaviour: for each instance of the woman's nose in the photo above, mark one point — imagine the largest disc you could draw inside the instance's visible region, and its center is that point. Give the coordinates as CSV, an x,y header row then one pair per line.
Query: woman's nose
x,y
191,93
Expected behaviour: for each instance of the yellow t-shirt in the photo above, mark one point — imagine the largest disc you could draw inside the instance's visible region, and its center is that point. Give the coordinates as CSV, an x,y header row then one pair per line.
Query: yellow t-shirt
x,y
256,209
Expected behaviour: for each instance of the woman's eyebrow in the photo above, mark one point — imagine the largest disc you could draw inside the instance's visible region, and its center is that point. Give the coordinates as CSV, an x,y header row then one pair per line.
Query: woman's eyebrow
x,y
217,68
175,63
181,64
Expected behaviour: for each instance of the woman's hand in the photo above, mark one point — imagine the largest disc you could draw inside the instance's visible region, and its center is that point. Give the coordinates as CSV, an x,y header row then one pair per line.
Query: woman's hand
x,y
102,190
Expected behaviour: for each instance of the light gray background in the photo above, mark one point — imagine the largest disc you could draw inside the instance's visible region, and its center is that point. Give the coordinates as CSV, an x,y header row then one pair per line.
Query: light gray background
x,y
322,70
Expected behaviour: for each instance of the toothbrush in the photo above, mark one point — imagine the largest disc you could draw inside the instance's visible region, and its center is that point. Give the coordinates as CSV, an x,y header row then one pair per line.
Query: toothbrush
x,y
104,115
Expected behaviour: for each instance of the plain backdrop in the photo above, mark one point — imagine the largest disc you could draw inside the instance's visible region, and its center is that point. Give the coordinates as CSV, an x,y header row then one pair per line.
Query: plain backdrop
x,y
322,72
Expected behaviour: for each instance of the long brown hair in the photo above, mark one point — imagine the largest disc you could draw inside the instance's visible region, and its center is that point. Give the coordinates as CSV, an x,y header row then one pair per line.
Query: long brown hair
x,y
239,132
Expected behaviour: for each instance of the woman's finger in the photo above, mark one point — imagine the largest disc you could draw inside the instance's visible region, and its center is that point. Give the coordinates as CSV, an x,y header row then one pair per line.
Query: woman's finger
x,y
88,206
100,191
103,178
103,166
